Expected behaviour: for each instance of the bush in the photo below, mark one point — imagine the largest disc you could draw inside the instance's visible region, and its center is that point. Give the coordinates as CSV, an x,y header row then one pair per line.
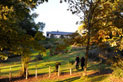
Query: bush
x,y
94,54
39,57
106,55
71,62
68,49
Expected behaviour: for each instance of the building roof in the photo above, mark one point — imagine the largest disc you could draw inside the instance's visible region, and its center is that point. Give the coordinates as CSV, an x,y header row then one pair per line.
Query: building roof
x,y
59,33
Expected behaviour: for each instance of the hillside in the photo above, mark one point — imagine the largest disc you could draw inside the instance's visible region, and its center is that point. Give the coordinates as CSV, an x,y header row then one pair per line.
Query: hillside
x,y
96,72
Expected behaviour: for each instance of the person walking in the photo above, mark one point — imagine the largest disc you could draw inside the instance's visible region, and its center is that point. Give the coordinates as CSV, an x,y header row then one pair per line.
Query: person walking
x,y
82,62
77,62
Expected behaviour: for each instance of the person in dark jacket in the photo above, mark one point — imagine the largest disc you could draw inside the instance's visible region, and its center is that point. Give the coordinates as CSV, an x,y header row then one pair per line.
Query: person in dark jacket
x,y
82,62
57,66
77,62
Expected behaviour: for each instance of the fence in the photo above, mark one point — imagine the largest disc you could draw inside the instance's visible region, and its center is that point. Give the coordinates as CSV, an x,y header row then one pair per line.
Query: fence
x,y
13,70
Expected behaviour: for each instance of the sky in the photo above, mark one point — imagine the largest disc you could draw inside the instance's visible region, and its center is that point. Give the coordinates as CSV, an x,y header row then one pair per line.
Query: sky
x,y
56,17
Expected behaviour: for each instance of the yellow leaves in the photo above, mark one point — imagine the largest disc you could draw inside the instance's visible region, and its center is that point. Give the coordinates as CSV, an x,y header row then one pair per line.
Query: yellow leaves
x,y
1,49
81,29
120,44
30,0
34,4
20,0
4,17
102,34
32,39
116,31
5,10
112,36
113,44
104,40
117,0
113,33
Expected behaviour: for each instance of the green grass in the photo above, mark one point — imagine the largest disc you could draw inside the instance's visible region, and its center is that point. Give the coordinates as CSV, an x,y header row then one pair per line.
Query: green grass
x,y
43,66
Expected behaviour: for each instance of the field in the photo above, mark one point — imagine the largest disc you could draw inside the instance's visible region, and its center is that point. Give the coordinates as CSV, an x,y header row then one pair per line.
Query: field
x,y
96,72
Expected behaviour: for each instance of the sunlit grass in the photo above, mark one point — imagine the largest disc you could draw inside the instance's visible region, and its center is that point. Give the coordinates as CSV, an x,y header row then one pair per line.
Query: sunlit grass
x,y
43,67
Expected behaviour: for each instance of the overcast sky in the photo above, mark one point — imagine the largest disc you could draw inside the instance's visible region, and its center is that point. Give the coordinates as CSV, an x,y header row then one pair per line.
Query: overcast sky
x,y
56,17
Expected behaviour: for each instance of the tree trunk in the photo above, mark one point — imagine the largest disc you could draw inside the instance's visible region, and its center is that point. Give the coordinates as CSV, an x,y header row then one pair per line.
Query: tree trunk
x,y
88,39
86,55
24,62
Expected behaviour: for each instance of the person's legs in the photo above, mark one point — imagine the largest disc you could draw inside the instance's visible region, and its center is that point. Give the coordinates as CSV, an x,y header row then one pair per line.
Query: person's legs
x,y
57,68
82,67
77,66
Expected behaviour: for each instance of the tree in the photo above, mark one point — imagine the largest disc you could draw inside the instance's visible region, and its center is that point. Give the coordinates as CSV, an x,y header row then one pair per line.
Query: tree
x,y
17,28
28,24
98,17
76,39
11,16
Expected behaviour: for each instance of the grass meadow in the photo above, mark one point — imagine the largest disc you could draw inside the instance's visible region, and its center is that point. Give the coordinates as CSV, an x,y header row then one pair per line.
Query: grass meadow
x,y
96,72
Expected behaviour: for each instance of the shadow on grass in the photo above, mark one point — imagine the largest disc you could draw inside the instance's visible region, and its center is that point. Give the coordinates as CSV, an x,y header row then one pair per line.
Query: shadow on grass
x,y
102,72
98,78
7,73
98,66
70,79
4,80
78,49
19,78
100,75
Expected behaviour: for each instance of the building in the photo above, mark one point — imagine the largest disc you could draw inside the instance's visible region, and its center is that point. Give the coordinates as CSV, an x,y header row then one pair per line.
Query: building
x,y
58,34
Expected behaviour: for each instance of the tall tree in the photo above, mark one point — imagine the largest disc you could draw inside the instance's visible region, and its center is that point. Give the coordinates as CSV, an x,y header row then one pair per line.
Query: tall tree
x,y
98,17
12,15
16,25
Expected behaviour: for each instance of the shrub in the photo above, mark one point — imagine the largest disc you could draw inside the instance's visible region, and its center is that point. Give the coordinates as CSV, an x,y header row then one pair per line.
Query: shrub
x,y
94,54
39,57
71,62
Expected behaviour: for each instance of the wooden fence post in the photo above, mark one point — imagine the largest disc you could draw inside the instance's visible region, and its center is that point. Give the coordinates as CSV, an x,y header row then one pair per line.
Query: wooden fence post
x,y
0,70
26,73
100,66
36,72
70,71
49,71
10,74
58,70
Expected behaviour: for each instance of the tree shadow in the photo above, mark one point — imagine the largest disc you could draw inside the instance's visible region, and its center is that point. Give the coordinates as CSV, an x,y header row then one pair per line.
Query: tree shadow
x,y
98,78
93,67
101,72
19,78
98,66
4,80
100,75
70,79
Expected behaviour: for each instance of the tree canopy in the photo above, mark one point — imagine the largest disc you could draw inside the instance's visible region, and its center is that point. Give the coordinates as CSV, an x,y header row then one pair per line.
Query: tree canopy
x,y
101,20
17,25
